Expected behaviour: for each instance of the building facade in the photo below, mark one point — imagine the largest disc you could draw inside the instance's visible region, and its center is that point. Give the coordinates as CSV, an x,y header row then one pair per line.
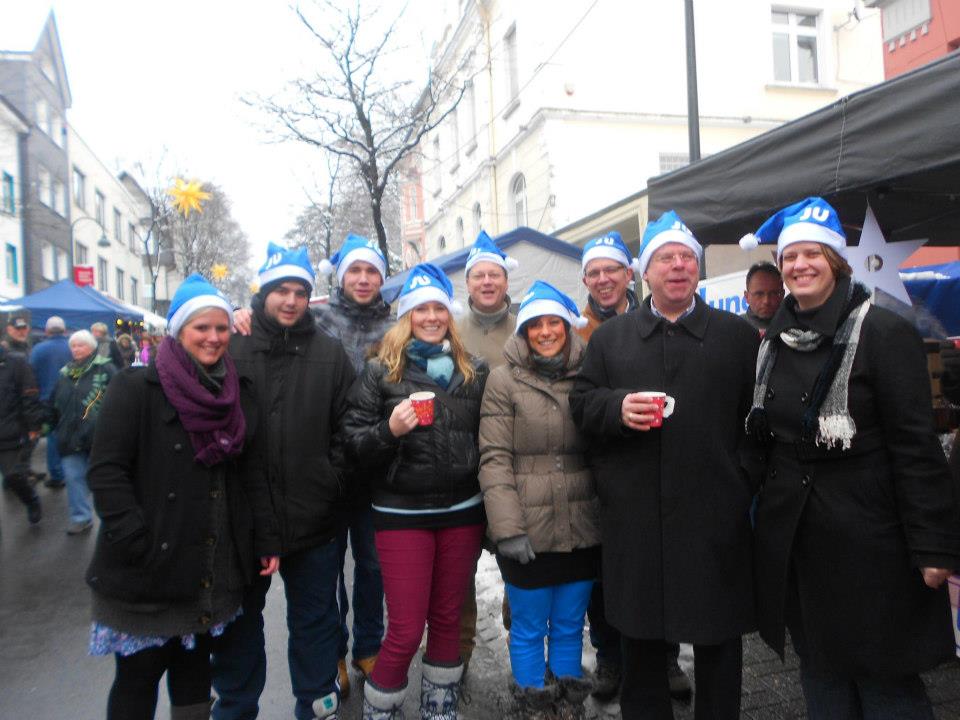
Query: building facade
x,y
13,130
560,119
916,32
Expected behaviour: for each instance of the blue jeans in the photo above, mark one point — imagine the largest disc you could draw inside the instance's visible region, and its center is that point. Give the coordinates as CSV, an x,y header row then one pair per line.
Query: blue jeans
x,y
78,494
54,464
367,586
837,698
555,612
239,660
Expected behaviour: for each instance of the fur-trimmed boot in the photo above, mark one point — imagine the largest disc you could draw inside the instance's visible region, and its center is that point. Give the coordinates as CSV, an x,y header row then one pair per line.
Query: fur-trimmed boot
x,y
380,704
440,691
529,703
572,691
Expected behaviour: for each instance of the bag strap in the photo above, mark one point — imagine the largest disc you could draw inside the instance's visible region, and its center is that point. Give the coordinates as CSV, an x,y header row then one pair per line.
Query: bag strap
x,y
454,407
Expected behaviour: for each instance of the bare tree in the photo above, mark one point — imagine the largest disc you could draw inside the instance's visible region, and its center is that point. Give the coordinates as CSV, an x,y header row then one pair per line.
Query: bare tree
x,y
323,225
204,240
352,109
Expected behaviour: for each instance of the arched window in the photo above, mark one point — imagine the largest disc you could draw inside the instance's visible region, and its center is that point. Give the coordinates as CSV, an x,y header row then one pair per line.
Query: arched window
x,y
477,219
518,189
441,243
460,231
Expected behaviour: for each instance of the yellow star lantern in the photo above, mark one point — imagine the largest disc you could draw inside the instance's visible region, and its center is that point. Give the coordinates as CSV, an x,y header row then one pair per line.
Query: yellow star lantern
x,y
187,196
219,271
254,288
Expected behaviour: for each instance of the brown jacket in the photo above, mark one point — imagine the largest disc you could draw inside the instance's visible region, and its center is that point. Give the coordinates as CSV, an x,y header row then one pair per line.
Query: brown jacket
x,y
534,478
593,322
486,341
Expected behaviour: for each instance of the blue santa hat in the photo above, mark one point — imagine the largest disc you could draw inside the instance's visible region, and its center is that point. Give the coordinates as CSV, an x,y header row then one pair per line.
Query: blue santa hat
x,y
354,248
544,299
283,264
810,220
194,294
426,283
485,250
668,228
609,246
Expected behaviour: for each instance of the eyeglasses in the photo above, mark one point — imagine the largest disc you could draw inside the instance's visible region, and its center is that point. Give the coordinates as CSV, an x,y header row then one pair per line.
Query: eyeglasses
x,y
609,271
670,258
480,275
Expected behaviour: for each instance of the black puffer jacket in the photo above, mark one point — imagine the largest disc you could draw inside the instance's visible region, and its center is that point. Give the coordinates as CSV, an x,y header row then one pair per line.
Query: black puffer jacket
x,y
432,467
20,409
300,378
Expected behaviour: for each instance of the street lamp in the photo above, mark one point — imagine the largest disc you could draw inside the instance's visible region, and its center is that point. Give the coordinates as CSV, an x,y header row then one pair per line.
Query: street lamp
x,y
103,242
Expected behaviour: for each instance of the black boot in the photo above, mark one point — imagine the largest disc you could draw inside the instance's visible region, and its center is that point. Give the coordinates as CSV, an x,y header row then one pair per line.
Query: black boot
x,y
21,488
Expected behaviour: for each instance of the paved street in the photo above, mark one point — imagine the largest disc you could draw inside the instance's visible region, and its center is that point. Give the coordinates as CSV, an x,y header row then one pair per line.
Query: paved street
x,y
46,674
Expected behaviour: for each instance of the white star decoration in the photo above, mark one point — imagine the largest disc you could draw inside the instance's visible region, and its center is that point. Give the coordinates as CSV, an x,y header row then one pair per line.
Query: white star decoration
x,y
876,263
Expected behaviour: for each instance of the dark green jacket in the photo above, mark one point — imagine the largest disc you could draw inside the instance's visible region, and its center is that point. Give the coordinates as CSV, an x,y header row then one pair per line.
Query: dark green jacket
x,y
77,401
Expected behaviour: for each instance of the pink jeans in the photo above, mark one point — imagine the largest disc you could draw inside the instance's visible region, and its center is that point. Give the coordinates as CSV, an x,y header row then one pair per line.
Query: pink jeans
x,y
425,577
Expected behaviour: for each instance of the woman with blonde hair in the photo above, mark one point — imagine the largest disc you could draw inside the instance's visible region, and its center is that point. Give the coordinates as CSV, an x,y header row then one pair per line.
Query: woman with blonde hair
x,y
428,509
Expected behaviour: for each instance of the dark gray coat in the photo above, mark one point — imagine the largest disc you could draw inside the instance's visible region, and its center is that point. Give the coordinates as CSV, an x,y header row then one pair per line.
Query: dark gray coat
x,y
857,524
674,501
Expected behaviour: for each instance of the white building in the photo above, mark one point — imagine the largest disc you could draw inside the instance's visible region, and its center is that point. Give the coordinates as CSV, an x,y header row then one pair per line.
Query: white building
x,y
571,106
13,126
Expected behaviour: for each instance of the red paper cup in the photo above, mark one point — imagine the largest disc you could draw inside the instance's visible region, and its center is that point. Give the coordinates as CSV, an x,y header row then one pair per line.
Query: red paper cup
x,y
664,405
423,406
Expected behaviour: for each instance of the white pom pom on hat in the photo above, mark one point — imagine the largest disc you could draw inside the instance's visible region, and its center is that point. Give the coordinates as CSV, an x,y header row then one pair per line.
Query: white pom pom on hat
x,y
325,267
749,242
510,264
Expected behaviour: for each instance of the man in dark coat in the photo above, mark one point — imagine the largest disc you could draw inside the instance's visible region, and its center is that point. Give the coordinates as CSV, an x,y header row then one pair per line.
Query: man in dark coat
x,y
46,359
300,379
20,417
675,499
358,317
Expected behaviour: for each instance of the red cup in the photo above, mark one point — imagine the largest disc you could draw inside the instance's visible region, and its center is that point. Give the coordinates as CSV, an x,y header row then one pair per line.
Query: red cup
x,y
423,406
663,402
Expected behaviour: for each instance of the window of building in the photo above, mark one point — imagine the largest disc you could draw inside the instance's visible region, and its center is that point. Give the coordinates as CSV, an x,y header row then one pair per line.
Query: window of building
x,y
441,243
670,161
477,219
43,185
80,254
134,291
121,283
102,270
413,204
460,237
63,264
58,197
7,196
902,16
132,242
455,137
117,226
512,77
518,190
13,267
48,262
437,185
79,189
796,57
43,116
56,129
470,103
100,208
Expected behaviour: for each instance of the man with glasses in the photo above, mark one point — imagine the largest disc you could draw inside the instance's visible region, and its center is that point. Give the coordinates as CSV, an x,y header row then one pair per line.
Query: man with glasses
x,y
763,295
607,273
674,495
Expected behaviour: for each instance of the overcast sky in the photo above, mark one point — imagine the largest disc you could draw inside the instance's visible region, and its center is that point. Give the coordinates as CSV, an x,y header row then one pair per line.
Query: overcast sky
x,y
156,81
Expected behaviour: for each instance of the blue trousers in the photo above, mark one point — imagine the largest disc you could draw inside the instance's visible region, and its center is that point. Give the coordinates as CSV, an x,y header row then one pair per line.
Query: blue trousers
x,y
367,586
239,660
830,697
555,612
78,494
54,464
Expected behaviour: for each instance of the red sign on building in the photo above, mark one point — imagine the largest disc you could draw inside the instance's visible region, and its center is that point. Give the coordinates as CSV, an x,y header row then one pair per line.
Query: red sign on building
x,y
83,275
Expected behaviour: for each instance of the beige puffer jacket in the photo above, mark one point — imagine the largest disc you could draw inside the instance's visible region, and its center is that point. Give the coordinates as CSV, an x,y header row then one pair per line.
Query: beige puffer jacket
x,y
533,474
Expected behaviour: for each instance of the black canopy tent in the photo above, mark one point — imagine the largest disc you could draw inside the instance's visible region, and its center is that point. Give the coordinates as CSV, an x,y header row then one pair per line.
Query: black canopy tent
x,y
896,145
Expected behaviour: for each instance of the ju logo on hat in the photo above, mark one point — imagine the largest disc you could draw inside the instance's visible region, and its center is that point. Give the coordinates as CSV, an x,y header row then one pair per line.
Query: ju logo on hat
x,y
284,264
355,248
485,250
544,299
668,228
426,283
609,246
812,219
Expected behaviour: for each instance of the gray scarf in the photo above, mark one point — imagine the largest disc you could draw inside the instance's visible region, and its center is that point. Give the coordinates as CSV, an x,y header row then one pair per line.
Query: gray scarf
x,y
827,420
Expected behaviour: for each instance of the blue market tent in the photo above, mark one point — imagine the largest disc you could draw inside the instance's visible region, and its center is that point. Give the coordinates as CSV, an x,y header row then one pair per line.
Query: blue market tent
x,y
540,257
79,307
937,288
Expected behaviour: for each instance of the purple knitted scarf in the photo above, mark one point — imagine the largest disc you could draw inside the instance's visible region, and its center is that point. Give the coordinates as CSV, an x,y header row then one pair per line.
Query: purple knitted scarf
x,y
215,423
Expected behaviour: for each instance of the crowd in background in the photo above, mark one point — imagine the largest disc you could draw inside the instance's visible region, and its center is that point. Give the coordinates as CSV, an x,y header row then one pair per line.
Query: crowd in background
x,y
670,471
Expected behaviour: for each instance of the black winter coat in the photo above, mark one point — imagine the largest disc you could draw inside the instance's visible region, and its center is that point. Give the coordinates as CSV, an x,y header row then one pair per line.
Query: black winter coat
x,y
856,524
300,379
153,498
20,408
674,501
431,467
77,403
